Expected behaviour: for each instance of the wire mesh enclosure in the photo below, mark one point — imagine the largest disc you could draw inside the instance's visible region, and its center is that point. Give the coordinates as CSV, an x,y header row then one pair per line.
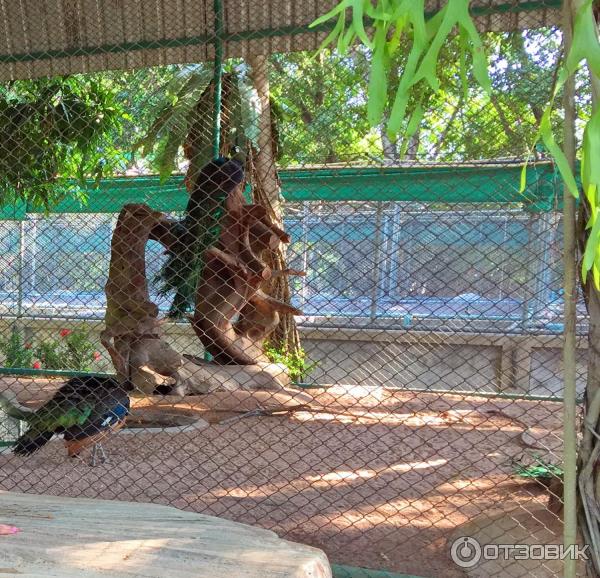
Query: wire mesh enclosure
x,y
263,308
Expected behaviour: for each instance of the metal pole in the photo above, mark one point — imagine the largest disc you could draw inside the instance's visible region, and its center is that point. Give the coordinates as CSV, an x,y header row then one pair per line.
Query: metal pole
x,y
542,227
304,280
32,276
218,77
376,260
218,92
20,269
570,314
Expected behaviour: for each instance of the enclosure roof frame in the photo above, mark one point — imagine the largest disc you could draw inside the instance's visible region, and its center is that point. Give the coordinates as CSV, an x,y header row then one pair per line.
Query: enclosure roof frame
x,y
51,37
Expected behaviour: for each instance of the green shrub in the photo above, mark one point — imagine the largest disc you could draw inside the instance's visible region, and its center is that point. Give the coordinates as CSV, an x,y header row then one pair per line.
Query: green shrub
x,y
72,350
541,470
17,352
295,361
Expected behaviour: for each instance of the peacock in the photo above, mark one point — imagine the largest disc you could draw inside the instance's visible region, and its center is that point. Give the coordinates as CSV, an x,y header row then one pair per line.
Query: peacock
x,y
84,410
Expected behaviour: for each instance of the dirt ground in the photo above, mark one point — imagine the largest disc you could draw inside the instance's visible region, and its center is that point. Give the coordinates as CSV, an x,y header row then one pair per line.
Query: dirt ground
x,y
376,478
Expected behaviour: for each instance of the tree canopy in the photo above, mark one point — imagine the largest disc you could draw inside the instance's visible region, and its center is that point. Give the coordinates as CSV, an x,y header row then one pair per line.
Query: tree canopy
x,y
102,124
54,130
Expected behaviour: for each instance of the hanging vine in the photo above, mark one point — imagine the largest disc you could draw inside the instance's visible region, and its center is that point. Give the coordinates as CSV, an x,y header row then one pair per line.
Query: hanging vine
x,y
388,21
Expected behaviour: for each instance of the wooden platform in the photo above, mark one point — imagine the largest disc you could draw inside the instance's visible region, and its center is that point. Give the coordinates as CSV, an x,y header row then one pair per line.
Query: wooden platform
x,y
82,538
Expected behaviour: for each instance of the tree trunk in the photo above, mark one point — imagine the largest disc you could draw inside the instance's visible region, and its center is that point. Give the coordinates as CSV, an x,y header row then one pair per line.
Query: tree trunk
x,y
267,193
589,451
391,155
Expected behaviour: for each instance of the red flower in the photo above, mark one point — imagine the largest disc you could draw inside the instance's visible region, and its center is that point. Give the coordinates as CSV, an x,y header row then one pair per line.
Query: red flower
x,y
27,346
65,332
97,355
37,365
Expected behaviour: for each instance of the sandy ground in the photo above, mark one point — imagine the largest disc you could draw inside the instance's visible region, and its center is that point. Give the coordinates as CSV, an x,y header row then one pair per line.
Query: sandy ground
x,y
376,478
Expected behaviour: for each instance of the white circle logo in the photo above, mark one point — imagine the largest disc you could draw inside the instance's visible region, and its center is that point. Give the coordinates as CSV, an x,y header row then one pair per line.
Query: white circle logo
x,y
465,552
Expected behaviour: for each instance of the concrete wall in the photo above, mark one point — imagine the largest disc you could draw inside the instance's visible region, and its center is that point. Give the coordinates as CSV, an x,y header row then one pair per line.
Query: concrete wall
x,y
392,358
437,360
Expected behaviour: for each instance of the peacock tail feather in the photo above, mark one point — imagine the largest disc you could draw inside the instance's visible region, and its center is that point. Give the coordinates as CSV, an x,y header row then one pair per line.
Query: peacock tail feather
x,y
183,269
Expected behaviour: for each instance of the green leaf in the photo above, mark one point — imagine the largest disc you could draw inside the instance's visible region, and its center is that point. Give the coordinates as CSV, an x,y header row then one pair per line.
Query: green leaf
x,y
402,95
341,7
462,63
523,183
585,43
480,63
412,126
358,23
337,30
433,24
591,249
394,41
378,78
167,156
427,68
559,157
345,40
173,116
415,121
397,114
415,10
591,150
596,275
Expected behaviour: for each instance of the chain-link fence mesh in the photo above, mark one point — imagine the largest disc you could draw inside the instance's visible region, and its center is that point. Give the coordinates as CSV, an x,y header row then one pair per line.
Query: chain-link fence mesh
x,y
351,341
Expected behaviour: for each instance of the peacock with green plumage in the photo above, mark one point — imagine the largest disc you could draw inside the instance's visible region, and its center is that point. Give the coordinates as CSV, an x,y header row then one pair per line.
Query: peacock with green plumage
x,y
84,410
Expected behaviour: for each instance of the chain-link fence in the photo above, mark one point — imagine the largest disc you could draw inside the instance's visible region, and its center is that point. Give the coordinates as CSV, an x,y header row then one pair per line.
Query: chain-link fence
x,y
354,342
